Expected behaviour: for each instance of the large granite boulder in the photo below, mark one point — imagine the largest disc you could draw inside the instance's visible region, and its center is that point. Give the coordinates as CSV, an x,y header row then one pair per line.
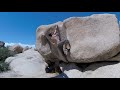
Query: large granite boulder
x,y
92,38
28,63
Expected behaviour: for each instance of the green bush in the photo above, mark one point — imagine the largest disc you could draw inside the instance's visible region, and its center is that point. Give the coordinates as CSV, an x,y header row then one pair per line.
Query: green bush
x,y
4,53
4,66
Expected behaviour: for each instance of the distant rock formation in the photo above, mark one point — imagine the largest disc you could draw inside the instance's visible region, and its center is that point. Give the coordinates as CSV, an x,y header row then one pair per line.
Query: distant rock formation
x,y
26,48
16,48
89,39
2,44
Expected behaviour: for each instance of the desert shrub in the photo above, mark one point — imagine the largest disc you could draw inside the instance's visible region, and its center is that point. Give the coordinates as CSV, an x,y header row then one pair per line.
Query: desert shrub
x,y
4,66
4,53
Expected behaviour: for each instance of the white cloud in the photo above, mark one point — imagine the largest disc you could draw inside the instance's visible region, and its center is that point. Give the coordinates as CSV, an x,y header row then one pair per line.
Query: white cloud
x,y
23,45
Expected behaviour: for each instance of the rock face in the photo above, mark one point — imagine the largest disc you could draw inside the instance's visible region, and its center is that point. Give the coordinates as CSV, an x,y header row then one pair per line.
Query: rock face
x,y
95,70
16,48
103,70
2,44
93,38
28,63
115,58
44,41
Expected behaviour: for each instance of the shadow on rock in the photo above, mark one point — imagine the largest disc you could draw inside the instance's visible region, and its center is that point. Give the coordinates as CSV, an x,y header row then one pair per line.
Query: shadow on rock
x,y
96,65
69,66
77,70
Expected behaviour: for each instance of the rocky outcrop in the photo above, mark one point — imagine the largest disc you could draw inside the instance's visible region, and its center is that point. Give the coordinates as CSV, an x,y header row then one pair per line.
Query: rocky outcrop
x,y
2,44
28,63
90,45
89,39
94,70
16,48
103,70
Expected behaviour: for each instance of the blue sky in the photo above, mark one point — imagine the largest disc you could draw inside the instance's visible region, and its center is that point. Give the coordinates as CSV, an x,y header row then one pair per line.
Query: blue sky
x,y
20,27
